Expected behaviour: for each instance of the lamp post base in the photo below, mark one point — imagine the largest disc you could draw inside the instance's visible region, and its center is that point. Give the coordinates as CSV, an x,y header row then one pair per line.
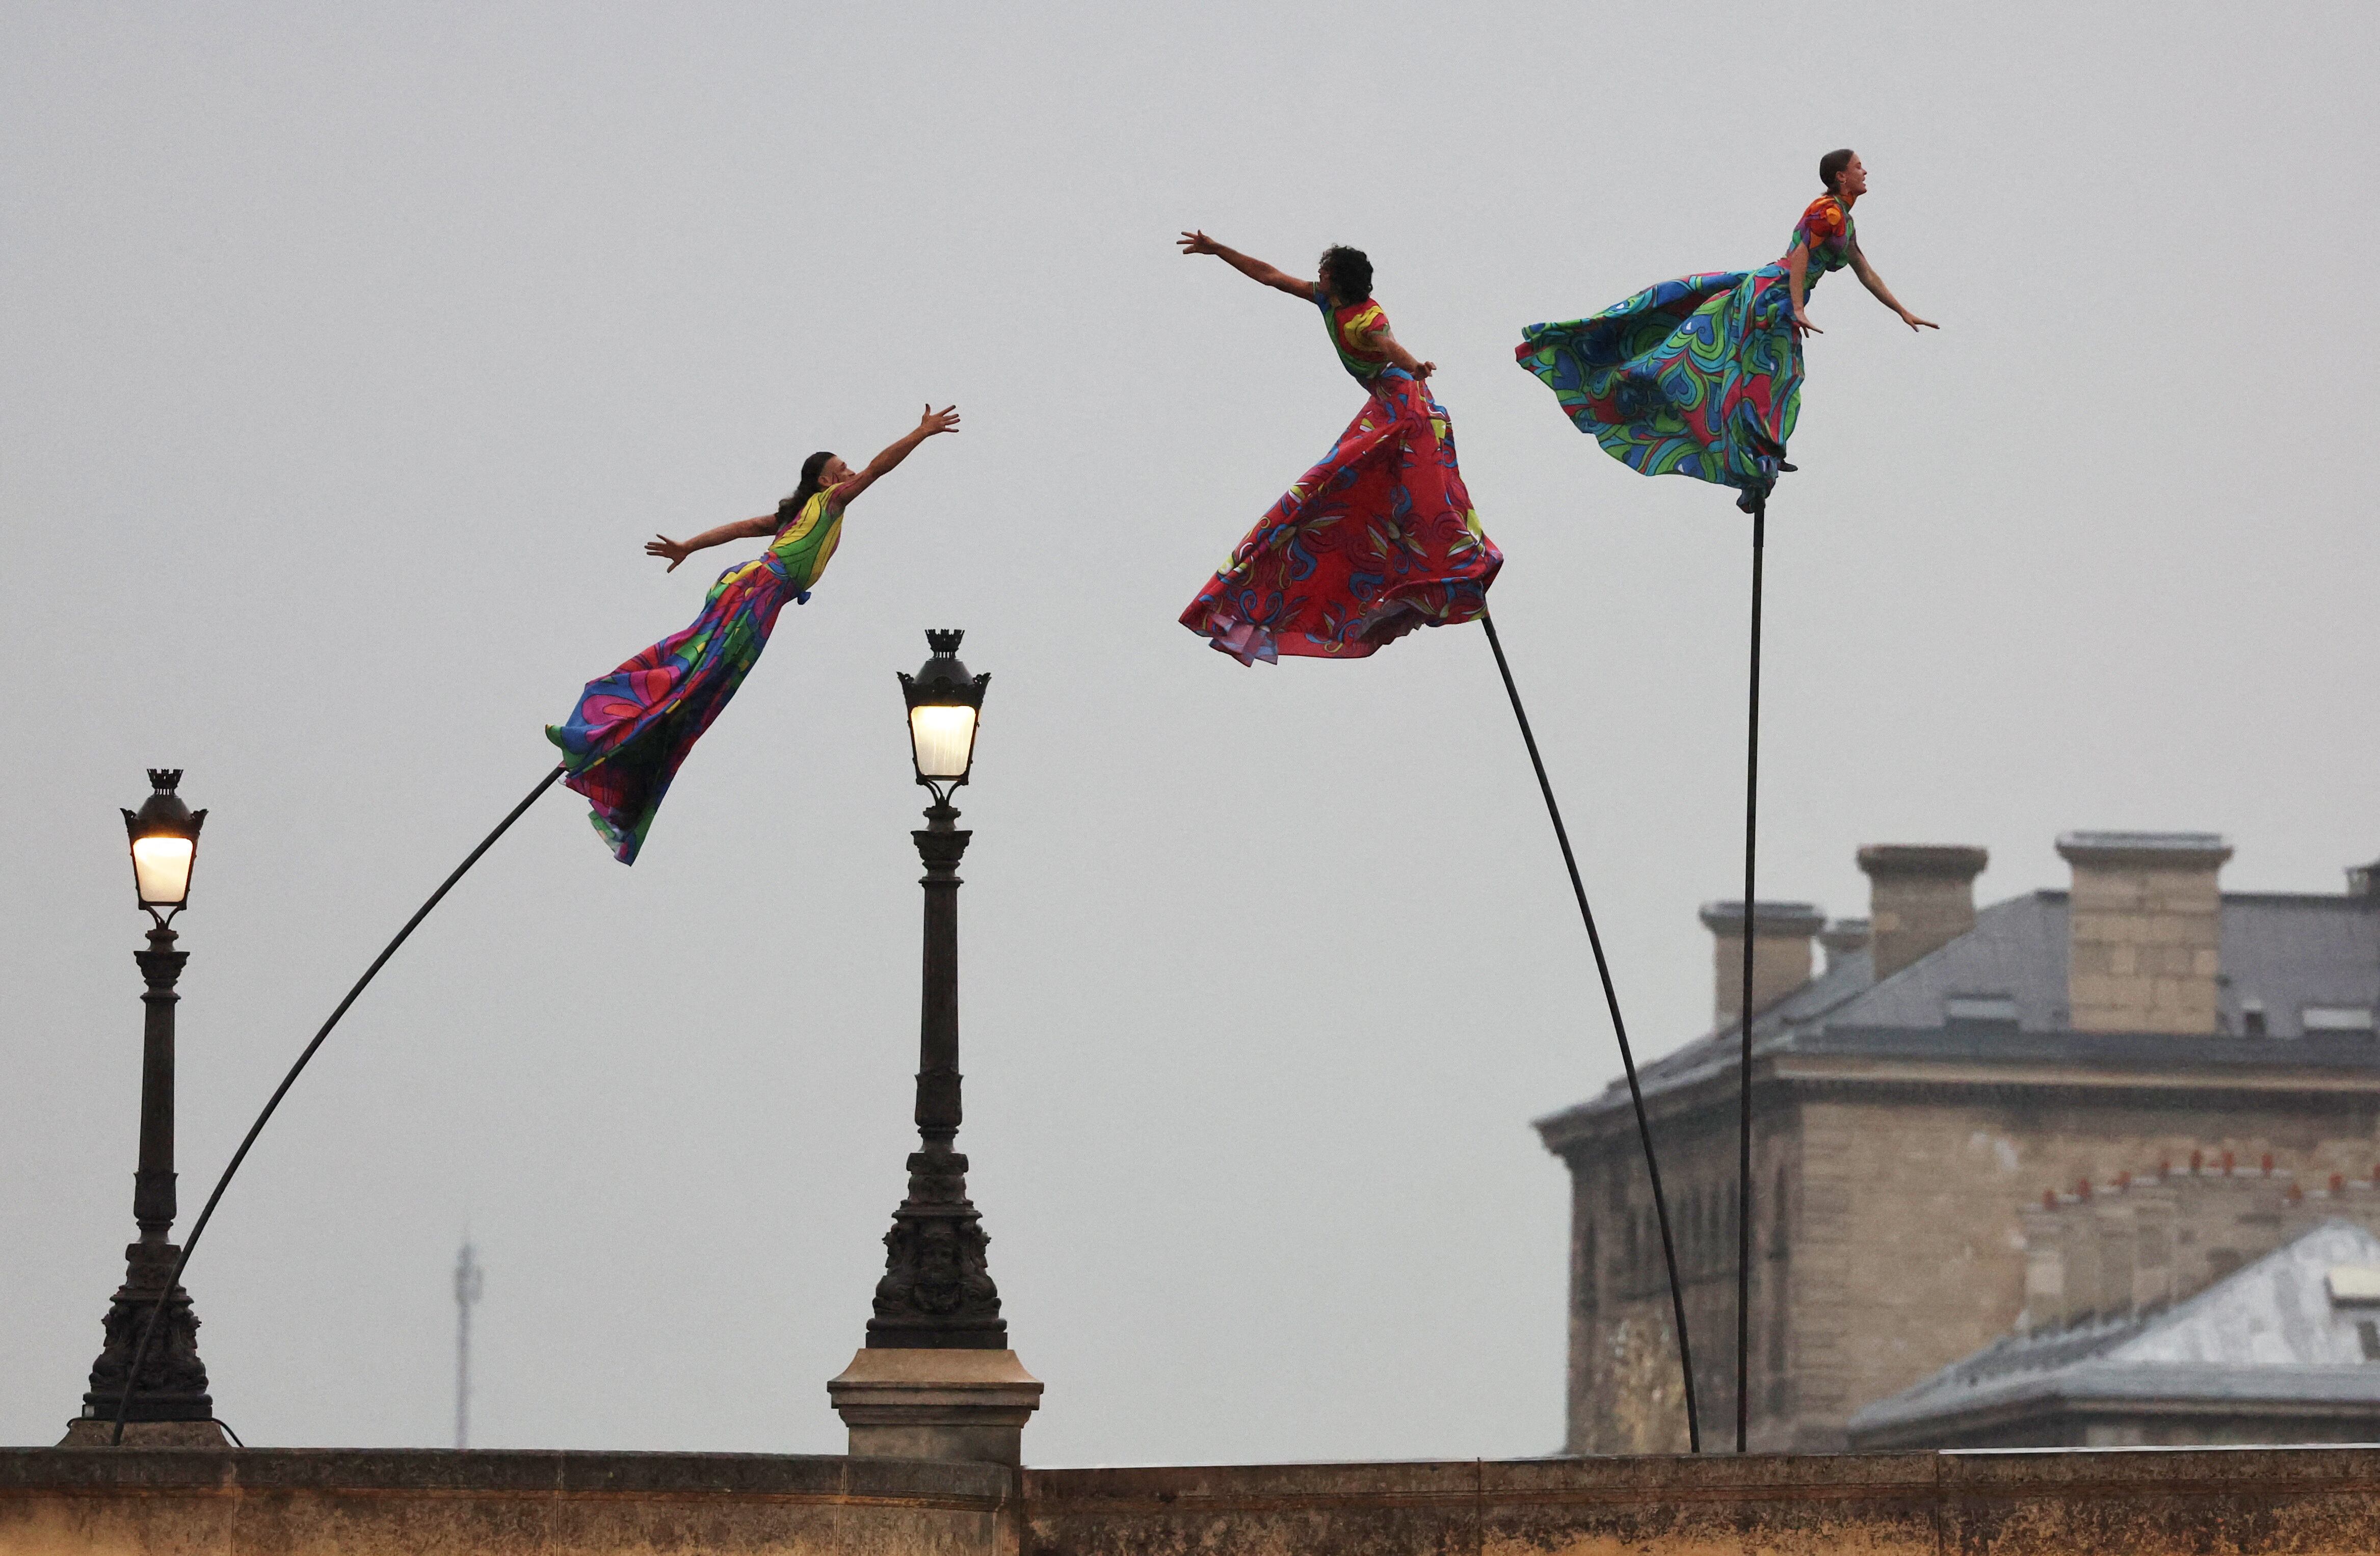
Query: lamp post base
x,y
98,1431
942,1403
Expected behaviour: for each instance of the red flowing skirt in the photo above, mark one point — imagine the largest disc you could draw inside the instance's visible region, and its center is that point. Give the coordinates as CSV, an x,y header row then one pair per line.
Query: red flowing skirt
x,y
1377,540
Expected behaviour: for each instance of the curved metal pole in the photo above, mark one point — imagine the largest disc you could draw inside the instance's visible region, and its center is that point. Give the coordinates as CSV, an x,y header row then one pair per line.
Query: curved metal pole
x,y
1744,998
1620,1030
149,1330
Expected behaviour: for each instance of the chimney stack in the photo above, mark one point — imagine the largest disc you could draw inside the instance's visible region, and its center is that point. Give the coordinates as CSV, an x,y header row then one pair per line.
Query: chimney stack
x,y
1921,897
1781,933
2146,935
1841,938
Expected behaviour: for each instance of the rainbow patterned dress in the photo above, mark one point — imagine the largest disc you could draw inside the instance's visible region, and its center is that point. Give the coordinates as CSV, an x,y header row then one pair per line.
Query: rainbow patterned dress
x,y
633,727
1377,540
1697,377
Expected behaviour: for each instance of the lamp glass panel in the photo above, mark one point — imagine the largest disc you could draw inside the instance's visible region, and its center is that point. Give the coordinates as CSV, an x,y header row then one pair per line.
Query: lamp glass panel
x,y
162,867
942,737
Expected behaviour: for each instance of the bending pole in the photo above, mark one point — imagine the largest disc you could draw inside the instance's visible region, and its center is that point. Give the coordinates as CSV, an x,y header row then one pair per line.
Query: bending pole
x,y
1744,998
149,1330
1619,1027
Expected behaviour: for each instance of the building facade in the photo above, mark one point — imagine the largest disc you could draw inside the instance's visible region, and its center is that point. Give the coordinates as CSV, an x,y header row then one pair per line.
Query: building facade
x,y
2283,1350
1915,1095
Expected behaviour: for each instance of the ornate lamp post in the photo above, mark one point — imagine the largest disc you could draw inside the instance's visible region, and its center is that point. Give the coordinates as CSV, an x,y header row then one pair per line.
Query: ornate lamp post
x,y
935,1378
170,1405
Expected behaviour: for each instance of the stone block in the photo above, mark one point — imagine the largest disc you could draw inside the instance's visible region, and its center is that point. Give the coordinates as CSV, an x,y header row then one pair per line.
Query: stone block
x,y
944,1405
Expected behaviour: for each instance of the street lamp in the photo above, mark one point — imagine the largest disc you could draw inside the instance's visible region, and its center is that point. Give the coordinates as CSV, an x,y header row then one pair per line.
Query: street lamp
x,y
937,1292
935,1378
945,709
170,1405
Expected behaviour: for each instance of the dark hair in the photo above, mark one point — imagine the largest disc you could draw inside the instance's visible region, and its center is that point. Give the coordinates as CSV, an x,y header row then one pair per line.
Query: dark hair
x,y
791,508
1348,272
1832,165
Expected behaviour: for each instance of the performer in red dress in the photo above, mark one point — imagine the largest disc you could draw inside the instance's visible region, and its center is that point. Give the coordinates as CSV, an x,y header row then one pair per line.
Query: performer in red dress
x,y
1378,539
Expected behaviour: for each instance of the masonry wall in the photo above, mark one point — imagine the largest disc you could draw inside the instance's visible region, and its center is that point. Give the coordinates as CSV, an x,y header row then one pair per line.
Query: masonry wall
x,y
1891,1234
196,1502
1627,1395
81,1502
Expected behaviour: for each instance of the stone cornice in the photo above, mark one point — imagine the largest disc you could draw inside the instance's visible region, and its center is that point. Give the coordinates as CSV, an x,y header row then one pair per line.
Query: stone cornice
x,y
1604,1122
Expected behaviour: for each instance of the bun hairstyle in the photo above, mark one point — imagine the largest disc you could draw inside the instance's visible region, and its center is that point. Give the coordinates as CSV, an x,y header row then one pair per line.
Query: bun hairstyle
x,y
791,508
1830,167
1348,272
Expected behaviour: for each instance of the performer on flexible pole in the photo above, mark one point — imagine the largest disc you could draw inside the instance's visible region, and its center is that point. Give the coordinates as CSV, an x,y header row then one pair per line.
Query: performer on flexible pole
x,y
1702,377
632,728
1378,539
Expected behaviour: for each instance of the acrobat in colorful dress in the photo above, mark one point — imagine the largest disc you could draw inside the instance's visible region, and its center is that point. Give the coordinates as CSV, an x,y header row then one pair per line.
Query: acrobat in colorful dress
x,y
1697,377
634,726
1377,540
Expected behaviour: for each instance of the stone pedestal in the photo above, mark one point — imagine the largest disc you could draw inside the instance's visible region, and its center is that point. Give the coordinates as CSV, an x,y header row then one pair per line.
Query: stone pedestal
x,y
95,1431
962,1404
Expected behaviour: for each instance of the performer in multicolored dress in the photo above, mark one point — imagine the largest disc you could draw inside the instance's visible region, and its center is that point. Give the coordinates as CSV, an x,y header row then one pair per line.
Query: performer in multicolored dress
x,y
633,727
1702,376
1378,539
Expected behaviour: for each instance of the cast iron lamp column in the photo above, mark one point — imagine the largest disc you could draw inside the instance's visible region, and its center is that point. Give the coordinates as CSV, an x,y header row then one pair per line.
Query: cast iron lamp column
x,y
937,1292
935,1378
172,1383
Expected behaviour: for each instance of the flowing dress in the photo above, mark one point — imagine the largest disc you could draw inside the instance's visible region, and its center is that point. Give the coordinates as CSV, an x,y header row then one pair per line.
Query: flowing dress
x,y
632,728
1377,540
1697,377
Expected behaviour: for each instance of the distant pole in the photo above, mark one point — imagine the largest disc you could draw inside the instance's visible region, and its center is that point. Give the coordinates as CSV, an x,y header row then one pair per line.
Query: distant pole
x,y
466,1291
1743,999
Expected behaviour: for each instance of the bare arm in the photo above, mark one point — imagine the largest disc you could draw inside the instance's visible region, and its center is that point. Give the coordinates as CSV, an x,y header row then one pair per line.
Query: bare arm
x,y
1797,269
1883,294
933,422
1254,270
1385,340
678,551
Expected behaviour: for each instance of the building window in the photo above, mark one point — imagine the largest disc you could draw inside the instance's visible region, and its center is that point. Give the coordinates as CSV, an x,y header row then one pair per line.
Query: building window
x,y
2337,1019
1979,1009
2368,1332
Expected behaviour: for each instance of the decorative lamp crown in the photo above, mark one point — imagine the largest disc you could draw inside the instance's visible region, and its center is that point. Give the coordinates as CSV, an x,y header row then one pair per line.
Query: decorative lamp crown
x,y
165,838
945,707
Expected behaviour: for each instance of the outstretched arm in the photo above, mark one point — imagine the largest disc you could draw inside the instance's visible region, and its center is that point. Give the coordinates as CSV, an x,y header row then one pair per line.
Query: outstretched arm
x,y
678,551
1254,270
933,422
1883,294
1385,340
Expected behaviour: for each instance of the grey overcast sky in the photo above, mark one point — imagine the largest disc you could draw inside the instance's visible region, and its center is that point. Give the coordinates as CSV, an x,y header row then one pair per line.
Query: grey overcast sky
x,y
348,355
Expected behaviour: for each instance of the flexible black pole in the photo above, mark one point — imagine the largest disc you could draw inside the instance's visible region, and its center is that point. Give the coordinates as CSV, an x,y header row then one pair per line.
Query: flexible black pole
x,y
1744,998
1620,1030
149,1330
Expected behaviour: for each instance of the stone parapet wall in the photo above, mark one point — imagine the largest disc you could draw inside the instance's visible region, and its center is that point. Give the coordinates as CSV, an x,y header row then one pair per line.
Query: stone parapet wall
x,y
203,1501
2305,1501
200,1501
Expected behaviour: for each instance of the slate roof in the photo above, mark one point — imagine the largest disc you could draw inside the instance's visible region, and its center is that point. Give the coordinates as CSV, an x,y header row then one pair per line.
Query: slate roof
x,y
2283,950
2268,1332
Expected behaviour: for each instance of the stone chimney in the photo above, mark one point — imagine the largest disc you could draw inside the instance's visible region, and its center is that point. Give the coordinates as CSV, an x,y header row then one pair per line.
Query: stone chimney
x,y
2146,935
1921,897
1781,933
1841,938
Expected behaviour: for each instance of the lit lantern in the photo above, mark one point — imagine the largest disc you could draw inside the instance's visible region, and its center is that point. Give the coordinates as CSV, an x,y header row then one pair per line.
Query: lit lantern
x,y
945,707
164,835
